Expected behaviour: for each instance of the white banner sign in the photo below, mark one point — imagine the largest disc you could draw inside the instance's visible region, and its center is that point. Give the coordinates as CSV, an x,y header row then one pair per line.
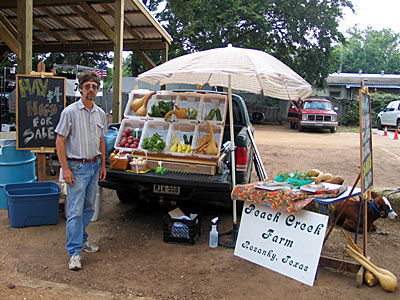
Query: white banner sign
x,y
288,243
72,88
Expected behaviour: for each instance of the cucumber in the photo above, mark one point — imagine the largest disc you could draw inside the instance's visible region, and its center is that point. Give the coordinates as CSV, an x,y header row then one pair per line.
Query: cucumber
x,y
218,113
211,115
185,139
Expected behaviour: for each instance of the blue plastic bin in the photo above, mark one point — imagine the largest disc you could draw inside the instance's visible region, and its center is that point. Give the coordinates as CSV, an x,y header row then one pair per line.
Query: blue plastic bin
x,y
32,204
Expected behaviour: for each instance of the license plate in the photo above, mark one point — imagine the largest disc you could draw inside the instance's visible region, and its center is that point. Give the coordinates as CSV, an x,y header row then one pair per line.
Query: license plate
x,y
166,189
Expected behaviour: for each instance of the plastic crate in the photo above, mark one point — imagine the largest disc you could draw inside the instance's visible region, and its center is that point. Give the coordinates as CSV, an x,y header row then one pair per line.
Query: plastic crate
x,y
132,124
33,204
201,131
150,128
133,95
179,130
180,231
214,101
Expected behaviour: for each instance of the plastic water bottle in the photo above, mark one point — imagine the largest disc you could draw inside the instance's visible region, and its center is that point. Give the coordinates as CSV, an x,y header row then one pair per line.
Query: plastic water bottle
x,y
214,233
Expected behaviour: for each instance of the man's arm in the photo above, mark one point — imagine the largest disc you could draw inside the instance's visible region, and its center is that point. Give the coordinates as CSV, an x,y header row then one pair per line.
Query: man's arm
x,y
103,172
62,158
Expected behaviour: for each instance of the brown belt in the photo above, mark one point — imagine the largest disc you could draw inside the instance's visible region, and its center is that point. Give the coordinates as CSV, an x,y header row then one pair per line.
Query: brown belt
x,y
84,159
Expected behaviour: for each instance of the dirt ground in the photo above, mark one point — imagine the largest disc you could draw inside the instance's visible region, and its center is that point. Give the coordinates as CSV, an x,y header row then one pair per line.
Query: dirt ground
x,y
135,263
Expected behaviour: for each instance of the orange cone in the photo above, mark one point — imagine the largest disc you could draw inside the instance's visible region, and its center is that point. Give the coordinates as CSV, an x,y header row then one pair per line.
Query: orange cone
x,y
385,133
396,135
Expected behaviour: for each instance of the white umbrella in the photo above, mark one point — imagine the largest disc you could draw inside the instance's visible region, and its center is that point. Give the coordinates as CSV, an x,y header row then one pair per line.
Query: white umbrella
x,y
235,68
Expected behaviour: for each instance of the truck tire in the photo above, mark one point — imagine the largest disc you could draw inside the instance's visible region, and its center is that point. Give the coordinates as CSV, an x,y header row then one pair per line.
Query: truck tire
x,y
398,125
301,128
126,195
332,129
292,125
379,124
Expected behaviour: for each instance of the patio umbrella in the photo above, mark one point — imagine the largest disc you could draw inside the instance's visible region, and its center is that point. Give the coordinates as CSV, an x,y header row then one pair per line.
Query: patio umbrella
x,y
235,68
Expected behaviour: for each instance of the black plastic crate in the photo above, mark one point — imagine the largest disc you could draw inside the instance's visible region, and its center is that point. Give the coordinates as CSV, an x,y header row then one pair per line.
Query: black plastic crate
x,y
180,231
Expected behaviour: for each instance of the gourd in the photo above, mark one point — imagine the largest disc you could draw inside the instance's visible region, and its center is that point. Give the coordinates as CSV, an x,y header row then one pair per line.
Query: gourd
x,y
180,113
139,102
211,148
142,110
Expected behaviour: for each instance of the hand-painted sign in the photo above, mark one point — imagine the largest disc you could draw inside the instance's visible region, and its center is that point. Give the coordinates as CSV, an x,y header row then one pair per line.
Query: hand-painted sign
x,y
40,101
287,243
366,142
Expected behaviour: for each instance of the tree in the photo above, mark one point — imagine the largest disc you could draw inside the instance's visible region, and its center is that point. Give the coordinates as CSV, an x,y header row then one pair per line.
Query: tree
x,y
300,33
371,51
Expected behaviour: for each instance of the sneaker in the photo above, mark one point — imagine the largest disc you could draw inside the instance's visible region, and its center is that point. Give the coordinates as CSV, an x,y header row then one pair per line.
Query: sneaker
x,y
75,263
90,247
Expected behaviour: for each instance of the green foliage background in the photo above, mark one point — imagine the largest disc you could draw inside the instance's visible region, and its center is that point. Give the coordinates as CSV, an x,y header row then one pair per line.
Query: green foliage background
x,y
350,115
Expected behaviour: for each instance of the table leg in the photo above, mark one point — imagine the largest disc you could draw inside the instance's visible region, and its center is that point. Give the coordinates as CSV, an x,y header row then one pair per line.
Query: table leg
x,y
358,220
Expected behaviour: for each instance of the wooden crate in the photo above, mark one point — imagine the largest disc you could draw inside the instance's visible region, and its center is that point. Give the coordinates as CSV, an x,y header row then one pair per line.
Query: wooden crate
x,y
184,167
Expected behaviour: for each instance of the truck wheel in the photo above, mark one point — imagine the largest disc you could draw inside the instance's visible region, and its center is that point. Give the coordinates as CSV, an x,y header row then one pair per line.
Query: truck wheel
x,y
292,125
301,128
332,129
379,124
398,125
126,195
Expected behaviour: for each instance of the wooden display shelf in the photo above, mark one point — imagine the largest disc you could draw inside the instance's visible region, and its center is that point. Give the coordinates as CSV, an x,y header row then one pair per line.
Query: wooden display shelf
x,y
184,167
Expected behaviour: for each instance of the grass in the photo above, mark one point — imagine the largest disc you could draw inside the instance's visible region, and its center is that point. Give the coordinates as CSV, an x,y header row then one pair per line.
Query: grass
x,y
348,129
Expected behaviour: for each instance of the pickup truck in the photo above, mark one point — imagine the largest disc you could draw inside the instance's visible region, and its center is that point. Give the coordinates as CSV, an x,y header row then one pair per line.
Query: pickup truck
x,y
312,113
183,186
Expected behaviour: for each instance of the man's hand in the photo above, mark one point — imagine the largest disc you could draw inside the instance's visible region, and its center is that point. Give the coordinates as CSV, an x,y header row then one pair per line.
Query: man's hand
x,y
68,176
102,174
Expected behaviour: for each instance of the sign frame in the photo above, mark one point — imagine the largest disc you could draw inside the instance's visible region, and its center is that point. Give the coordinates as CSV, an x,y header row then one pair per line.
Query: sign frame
x,y
45,113
287,243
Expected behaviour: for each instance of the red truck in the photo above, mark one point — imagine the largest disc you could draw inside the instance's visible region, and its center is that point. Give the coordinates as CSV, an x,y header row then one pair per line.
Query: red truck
x,y
312,113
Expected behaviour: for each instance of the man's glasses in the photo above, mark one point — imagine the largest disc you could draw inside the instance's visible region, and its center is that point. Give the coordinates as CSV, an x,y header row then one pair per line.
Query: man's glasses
x,y
88,86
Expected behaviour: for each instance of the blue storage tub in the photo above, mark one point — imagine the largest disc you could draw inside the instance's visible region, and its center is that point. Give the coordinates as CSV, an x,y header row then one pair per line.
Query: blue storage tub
x,y
32,204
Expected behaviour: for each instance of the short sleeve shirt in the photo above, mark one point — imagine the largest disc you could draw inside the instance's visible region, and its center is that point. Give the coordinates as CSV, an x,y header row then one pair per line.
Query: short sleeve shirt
x,y
83,129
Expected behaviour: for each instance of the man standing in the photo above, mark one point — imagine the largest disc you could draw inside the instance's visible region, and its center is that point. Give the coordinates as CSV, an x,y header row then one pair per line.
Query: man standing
x,y
81,152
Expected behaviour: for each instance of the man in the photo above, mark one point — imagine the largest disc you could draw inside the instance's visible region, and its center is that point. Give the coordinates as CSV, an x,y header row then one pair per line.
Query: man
x,y
81,152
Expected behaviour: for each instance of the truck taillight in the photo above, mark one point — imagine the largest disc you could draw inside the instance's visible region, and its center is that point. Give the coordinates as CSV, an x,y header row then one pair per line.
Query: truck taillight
x,y
241,159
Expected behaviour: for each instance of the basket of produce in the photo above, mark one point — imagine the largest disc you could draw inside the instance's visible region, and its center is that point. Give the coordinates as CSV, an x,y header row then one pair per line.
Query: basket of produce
x,y
119,160
139,164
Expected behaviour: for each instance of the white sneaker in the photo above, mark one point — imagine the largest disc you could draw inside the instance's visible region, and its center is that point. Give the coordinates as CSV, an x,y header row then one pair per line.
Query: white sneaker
x,y
90,247
75,263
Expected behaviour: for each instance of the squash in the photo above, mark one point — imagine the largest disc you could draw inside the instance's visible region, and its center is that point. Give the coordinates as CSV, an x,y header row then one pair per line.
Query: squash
x,y
139,102
326,177
336,180
314,172
180,113
142,110
211,148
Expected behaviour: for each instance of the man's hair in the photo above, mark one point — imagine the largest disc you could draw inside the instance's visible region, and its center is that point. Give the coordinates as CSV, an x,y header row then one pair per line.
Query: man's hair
x,y
88,76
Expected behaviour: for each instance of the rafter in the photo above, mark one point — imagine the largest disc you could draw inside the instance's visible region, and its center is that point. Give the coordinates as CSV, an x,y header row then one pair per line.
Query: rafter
x,y
64,23
103,26
55,35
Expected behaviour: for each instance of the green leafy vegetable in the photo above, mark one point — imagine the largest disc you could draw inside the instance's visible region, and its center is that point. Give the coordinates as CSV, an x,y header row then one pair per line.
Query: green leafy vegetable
x,y
154,143
159,110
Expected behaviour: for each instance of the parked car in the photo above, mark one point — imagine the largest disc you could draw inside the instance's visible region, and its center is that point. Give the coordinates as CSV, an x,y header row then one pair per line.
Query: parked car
x,y
390,115
312,113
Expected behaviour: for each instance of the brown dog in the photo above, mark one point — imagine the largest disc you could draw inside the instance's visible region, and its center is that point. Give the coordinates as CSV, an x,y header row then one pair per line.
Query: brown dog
x,y
378,207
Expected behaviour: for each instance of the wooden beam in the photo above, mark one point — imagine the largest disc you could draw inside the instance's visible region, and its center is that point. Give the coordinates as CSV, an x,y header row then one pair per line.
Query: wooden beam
x,y
10,40
49,3
64,23
147,60
118,48
7,23
87,19
164,53
25,20
94,16
4,51
127,25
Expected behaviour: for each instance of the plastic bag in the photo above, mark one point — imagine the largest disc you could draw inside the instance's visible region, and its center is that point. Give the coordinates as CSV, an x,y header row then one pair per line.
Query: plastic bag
x,y
110,138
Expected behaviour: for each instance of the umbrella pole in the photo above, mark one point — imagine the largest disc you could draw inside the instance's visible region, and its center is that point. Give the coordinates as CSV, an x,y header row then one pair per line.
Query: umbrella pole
x,y
233,165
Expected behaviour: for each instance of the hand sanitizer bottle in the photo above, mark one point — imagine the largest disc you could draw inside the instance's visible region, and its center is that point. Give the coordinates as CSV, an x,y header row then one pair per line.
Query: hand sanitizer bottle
x,y
214,233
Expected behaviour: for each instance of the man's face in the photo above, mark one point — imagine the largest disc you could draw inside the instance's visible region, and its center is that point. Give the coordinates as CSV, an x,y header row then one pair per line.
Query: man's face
x,y
89,90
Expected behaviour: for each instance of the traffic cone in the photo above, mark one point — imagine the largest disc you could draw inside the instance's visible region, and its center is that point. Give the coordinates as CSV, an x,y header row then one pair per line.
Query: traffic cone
x,y
396,135
385,133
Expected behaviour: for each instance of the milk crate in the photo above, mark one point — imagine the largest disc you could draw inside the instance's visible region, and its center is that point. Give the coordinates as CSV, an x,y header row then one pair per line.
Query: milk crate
x,y
181,231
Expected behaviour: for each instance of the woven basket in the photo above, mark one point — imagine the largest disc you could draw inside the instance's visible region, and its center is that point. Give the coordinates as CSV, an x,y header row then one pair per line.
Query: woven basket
x,y
137,165
119,161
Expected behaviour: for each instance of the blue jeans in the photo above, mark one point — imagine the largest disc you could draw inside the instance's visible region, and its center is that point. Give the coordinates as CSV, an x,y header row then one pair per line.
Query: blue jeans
x,y
81,203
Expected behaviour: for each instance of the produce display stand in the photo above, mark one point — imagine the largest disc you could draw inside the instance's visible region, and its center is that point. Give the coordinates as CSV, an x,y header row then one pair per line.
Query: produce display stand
x,y
174,128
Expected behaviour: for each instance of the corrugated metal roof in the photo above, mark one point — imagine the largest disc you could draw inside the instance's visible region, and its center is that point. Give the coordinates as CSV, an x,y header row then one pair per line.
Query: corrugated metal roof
x,y
369,79
78,25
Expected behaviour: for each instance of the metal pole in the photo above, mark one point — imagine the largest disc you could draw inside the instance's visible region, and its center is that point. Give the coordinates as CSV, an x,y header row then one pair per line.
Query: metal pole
x,y
233,163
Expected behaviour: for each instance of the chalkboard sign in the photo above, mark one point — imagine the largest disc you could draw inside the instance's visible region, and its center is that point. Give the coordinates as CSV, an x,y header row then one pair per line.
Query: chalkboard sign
x,y
366,142
40,101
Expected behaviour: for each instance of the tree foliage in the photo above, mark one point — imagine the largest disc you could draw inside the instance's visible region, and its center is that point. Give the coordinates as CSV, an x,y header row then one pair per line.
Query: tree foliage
x,y
300,33
371,51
